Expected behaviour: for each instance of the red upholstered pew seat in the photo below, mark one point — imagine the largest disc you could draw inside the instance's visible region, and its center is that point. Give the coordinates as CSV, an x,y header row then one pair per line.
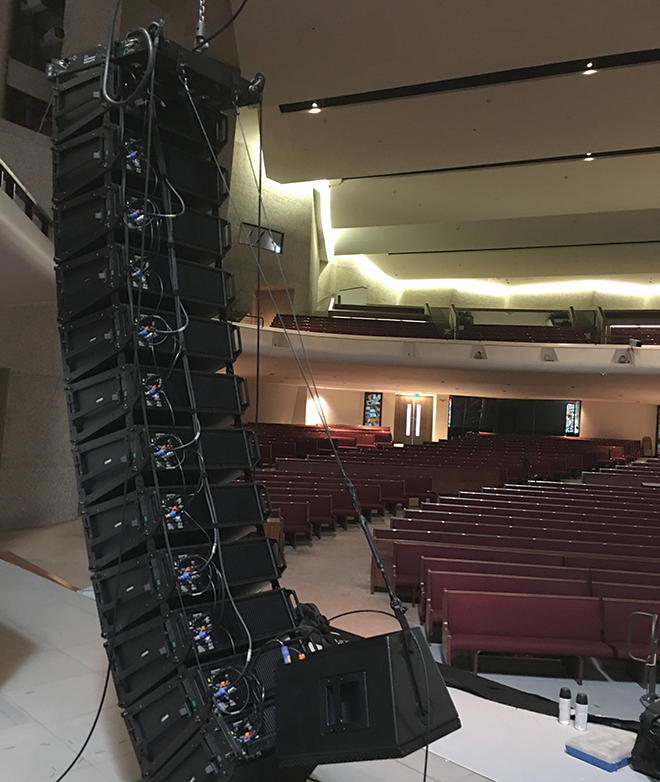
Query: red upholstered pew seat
x,y
556,625
439,581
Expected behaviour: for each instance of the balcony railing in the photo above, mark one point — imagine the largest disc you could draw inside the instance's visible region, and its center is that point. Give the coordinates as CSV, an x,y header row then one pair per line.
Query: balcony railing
x,y
20,196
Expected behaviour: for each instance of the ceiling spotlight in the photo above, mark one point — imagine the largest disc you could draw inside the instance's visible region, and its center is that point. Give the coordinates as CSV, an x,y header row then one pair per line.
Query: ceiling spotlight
x,y
315,108
589,69
589,156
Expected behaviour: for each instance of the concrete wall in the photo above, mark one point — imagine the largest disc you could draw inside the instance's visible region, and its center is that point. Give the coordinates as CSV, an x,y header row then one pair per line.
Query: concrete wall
x,y
289,209
341,407
28,155
287,404
618,419
278,403
37,481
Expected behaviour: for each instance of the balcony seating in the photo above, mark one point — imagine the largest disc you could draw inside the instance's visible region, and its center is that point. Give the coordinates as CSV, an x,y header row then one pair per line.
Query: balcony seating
x,y
372,327
497,333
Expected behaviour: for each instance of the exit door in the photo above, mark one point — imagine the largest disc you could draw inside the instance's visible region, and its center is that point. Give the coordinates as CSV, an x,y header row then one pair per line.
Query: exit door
x,y
413,419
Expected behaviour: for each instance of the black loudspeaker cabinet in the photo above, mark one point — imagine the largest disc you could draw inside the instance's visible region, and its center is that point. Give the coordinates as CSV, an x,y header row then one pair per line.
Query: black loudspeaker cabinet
x,y
264,664
77,107
84,161
130,591
206,757
77,99
98,405
86,284
121,527
144,656
105,465
160,722
83,222
93,343
357,702
165,718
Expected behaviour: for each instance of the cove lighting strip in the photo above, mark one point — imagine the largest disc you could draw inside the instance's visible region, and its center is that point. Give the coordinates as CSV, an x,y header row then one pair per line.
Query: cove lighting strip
x,y
369,269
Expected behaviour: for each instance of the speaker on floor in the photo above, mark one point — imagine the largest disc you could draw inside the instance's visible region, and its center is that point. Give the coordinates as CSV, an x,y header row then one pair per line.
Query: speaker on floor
x,y
379,697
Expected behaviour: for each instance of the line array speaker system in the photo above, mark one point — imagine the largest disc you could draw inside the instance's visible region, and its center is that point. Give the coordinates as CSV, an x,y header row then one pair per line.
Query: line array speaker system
x,y
185,579
216,666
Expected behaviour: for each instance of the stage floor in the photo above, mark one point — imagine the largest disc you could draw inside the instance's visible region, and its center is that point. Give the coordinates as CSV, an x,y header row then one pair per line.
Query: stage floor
x,y
52,668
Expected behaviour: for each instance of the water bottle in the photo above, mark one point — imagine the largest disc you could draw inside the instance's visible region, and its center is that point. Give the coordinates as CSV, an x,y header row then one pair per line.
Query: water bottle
x,y
564,706
581,711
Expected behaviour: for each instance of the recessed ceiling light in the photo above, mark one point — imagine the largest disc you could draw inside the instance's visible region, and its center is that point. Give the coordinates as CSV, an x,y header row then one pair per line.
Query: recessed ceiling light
x,y
315,108
589,156
589,69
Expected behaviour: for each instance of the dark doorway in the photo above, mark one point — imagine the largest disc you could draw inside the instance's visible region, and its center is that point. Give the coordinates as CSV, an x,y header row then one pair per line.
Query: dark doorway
x,y
508,416
413,419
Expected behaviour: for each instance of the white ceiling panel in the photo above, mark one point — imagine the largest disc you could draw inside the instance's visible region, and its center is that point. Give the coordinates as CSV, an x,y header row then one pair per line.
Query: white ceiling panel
x,y
314,48
515,207
550,231
570,187
543,264
617,109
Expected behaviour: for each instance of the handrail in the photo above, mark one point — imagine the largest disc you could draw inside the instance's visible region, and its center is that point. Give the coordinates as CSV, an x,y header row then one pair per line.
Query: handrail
x,y
650,696
253,319
20,196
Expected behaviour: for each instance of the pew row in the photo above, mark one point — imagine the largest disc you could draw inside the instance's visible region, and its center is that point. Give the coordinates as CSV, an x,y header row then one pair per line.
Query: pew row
x,y
539,624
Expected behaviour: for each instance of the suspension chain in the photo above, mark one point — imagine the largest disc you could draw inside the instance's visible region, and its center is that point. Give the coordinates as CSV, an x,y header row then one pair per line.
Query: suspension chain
x,y
201,26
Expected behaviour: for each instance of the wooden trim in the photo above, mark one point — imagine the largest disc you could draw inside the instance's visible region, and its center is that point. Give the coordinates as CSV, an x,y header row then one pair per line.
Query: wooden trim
x,y
14,559
446,643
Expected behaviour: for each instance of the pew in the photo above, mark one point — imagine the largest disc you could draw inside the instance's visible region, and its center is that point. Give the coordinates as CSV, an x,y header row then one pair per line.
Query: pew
x,y
510,623
439,581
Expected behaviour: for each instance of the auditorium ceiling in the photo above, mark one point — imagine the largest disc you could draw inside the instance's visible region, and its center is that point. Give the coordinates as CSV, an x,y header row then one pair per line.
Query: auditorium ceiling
x,y
473,178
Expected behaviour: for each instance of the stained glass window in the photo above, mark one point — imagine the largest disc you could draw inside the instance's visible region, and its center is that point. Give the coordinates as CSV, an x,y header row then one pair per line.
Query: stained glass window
x,y
373,408
572,418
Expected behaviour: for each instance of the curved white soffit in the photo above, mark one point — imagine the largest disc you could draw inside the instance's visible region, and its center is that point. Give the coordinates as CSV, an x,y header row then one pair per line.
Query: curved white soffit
x,y
501,290
27,274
